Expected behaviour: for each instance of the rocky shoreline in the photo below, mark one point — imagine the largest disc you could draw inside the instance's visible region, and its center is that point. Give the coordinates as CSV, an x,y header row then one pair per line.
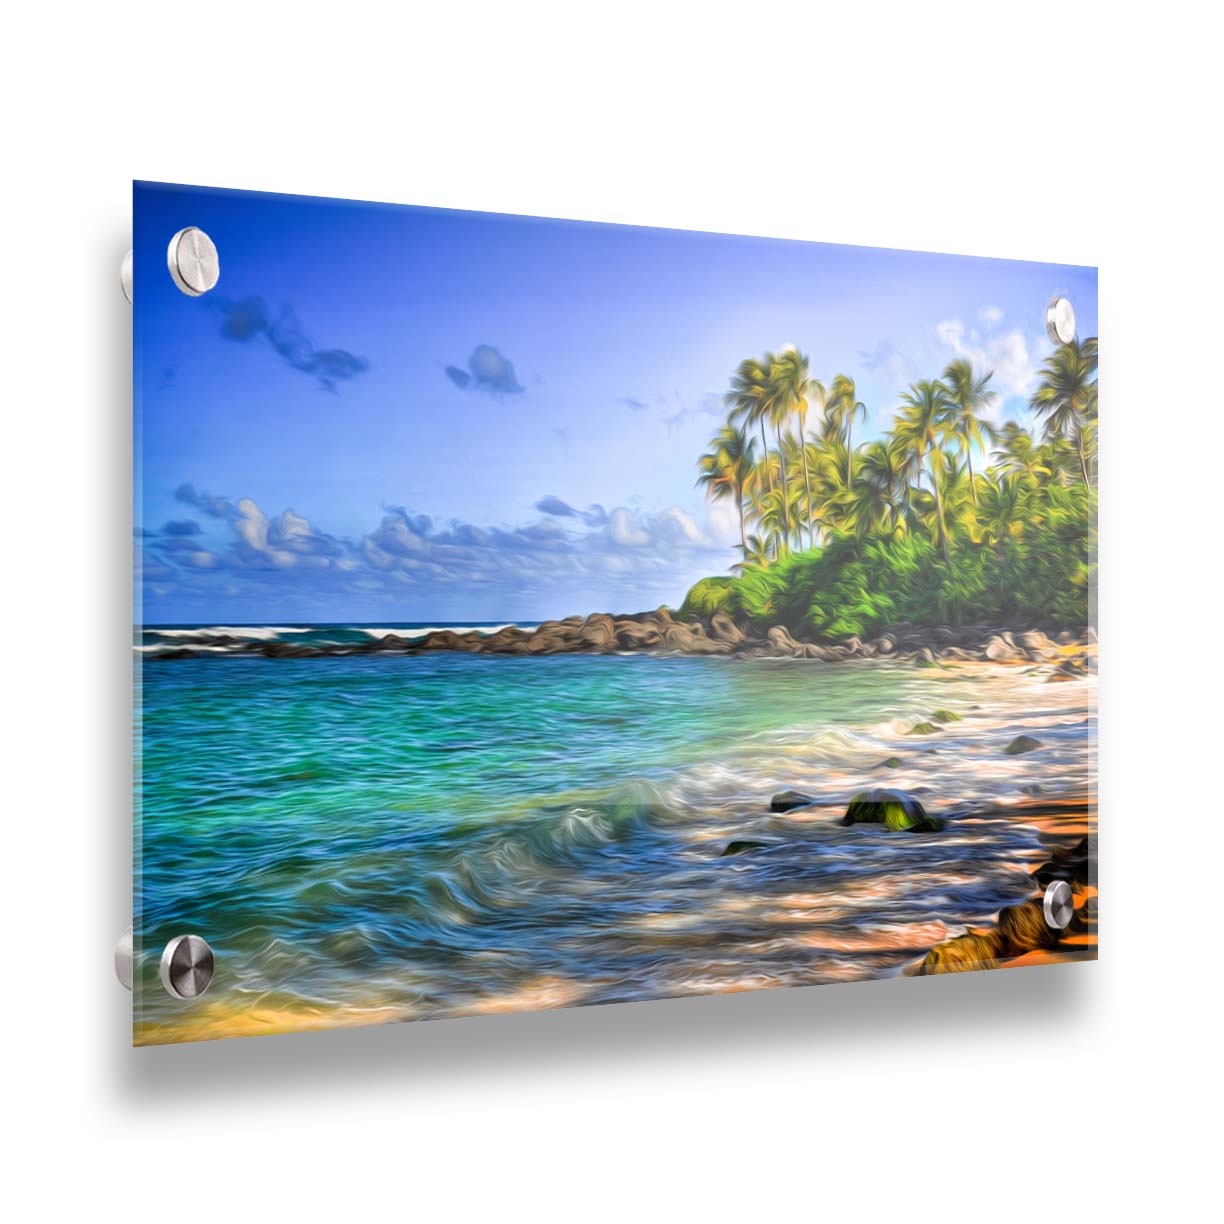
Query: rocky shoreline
x,y
661,633
1021,933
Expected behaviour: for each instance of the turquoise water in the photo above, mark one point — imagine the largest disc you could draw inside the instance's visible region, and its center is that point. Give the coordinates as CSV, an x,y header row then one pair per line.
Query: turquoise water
x,y
392,837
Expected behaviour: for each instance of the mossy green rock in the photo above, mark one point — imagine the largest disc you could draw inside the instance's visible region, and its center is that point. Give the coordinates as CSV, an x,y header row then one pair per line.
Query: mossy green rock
x,y
1021,744
923,728
742,847
892,763
894,809
945,716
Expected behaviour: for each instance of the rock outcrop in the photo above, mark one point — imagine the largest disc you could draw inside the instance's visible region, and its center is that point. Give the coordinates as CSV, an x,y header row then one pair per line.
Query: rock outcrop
x,y
894,809
661,631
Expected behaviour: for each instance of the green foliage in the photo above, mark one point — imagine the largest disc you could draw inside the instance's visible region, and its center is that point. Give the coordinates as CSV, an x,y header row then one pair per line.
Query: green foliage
x,y
710,595
905,528
1043,574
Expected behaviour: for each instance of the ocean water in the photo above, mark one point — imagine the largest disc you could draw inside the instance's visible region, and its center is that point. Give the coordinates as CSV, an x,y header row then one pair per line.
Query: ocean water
x,y
387,837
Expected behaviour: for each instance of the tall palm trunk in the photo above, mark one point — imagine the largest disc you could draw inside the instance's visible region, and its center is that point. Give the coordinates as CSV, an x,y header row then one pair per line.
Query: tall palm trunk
x,y
1079,446
807,482
943,530
768,469
969,461
785,488
739,505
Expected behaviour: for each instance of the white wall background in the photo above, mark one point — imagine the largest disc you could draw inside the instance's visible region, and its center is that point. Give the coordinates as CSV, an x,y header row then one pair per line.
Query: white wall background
x,y
1067,132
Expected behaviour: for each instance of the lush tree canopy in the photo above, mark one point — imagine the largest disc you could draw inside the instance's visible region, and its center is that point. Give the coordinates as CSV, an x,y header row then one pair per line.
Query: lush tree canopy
x,y
838,539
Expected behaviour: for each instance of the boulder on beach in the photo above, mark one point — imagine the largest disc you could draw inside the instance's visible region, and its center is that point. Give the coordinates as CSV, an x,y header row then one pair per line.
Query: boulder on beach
x,y
552,637
630,635
689,637
742,846
1023,928
1001,649
826,654
292,650
510,640
1022,743
1038,645
446,639
724,629
598,631
894,809
964,953
1070,863
788,800
780,639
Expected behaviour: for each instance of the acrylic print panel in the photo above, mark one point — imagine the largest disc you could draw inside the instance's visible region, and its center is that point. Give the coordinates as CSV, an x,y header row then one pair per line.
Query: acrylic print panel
x,y
536,613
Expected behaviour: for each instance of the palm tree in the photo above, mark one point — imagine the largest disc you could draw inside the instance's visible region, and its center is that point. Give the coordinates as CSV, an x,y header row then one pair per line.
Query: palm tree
x,y
778,410
793,389
1067,396
959,506
773,518
882,494
1018,458
923,424
761,485
842,408
756,556
1002,512
830,464
726,469
969,395
748,397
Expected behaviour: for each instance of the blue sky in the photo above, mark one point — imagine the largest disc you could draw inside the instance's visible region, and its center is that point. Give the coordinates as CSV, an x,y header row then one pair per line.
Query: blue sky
x,y
402,414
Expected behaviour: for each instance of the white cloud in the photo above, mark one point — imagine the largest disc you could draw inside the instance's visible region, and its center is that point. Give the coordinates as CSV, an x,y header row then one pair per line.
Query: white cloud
x,y
722,523
623,531
992,316
628,553
1009,356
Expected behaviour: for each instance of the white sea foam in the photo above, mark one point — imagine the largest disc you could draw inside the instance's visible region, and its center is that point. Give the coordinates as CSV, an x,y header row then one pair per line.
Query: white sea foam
x,y
254,633
421,631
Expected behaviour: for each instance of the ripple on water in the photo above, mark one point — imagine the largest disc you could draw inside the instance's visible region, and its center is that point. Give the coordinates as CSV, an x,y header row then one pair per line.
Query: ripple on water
x,y
363,840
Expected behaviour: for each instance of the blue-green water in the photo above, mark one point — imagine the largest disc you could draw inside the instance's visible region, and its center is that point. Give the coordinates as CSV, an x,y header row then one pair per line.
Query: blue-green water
x,y
367,838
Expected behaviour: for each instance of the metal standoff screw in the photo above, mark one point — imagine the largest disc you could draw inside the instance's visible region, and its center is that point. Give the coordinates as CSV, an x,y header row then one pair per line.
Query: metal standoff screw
x,y
125,277
1059,905
123,959
186,966
1060,321
193,262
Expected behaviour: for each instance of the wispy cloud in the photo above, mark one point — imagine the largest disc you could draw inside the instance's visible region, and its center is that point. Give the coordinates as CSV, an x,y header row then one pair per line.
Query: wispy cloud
x,y
244,320
181,528
1009,354
487,371
619,555
890,361
214,507
706,408
593,516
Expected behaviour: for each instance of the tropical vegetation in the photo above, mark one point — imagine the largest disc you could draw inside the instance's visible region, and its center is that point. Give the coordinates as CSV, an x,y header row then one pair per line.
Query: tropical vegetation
x,y
944,518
